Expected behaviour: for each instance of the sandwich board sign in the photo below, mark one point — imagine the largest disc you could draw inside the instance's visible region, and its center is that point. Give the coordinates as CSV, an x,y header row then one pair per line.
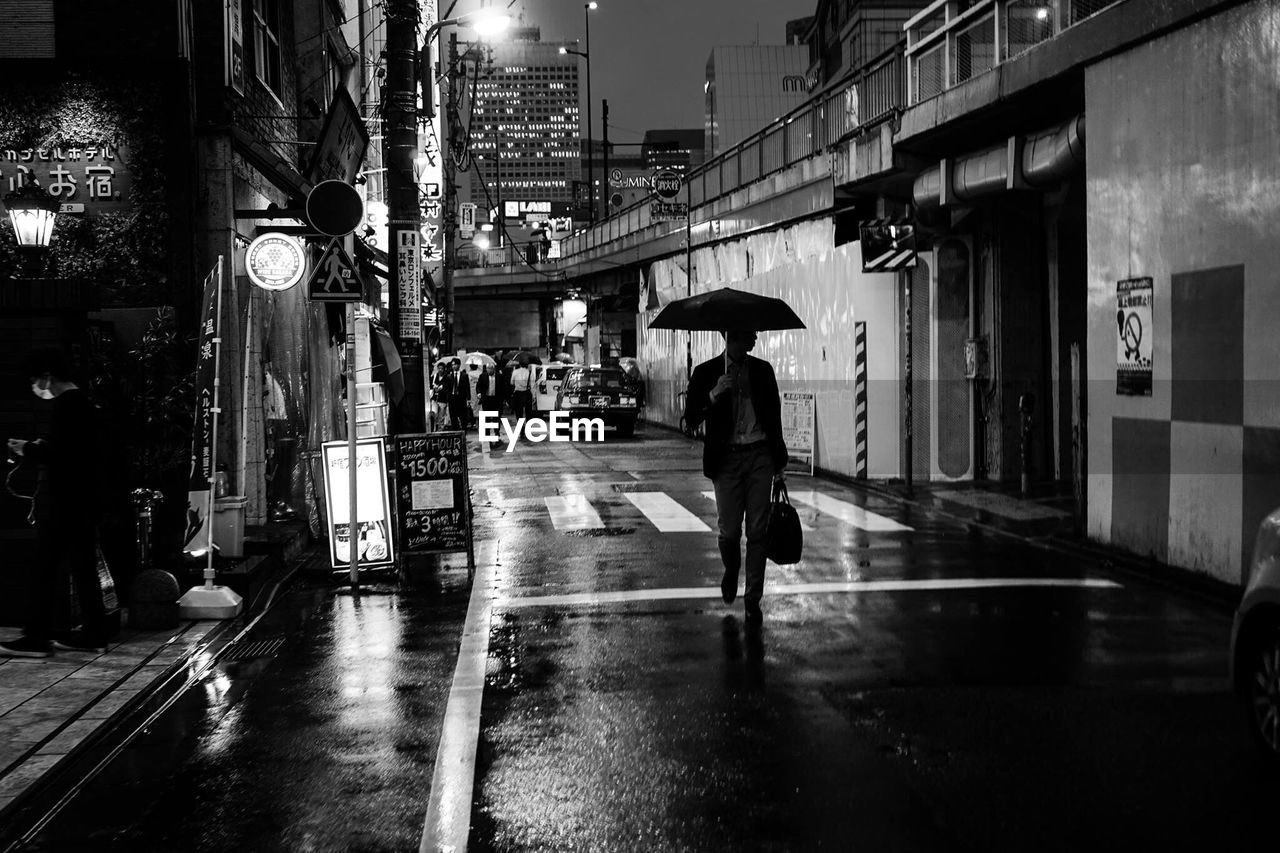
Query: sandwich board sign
x,y
334,278
798,428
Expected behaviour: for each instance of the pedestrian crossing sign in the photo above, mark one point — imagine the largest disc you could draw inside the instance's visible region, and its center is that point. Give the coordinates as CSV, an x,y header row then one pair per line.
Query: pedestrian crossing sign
x,y
334,278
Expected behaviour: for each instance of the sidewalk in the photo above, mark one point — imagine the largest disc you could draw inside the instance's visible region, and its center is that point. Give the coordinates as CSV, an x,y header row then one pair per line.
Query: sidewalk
x,y
1046,517
57,711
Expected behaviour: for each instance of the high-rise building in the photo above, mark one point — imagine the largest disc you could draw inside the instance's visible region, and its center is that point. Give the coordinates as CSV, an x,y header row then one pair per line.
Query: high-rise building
x,y
749,86
679,149
525,109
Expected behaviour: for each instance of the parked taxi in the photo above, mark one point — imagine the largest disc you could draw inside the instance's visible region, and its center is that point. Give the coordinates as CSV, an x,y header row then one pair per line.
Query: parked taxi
x,y
600,392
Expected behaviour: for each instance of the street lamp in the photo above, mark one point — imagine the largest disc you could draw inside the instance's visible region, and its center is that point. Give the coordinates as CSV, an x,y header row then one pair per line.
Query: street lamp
x,y
32,212
591,159
483,21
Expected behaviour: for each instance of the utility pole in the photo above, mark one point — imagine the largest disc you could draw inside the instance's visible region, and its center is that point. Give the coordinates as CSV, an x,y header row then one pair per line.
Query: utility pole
x,y
604,119
448,213
400,147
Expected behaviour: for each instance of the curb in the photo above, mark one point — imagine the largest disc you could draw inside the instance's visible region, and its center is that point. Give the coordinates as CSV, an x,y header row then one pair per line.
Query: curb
x,y
47,795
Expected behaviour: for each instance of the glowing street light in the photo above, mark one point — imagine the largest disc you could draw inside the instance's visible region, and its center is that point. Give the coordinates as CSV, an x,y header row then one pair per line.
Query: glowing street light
x,y
32,212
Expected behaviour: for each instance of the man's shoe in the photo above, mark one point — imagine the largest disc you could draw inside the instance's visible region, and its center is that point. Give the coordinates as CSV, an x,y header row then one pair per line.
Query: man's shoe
x,y
77,642
25,647
729,586
754,616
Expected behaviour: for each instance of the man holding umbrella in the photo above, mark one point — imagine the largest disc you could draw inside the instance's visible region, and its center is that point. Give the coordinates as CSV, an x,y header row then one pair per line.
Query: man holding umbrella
x,y
736,395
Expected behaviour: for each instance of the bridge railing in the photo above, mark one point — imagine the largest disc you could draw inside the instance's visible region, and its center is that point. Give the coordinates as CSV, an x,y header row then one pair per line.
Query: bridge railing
x,y
861,99
949,42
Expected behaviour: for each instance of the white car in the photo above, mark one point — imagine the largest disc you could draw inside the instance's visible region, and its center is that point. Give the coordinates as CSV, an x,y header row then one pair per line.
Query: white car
x,y
1255,640
547,379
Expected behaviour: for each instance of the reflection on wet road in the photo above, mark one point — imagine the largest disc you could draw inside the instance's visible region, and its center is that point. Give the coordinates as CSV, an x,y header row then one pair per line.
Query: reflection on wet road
x,y
916,685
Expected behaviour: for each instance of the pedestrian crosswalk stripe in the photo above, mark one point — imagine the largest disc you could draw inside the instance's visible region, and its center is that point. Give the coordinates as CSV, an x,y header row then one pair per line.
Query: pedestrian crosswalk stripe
x,y
712,496
665,514
845,511
573,512
713,592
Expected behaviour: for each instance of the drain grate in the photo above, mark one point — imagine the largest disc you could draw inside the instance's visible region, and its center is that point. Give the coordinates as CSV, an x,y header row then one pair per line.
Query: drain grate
x,y
255,649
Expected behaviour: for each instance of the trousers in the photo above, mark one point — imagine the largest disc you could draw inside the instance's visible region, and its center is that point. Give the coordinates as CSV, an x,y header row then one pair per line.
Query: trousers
x,y
69,554
743,488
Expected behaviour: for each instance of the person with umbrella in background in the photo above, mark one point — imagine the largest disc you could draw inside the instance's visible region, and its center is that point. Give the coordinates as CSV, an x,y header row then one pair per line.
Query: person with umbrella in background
x,y
743,452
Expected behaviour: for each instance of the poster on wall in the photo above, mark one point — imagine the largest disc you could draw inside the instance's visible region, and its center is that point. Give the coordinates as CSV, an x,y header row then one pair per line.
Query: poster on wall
x,y
1134,336
798,429
372,537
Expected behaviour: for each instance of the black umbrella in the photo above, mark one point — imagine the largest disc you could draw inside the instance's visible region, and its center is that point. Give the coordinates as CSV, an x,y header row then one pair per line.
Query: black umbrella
x,y
727,310
523,357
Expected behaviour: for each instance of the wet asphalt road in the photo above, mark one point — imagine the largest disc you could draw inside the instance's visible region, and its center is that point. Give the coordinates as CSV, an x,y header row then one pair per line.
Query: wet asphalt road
x,y
911,689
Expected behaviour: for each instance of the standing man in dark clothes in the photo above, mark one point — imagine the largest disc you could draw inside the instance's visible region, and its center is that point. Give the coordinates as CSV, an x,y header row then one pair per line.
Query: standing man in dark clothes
x,y
460,396
65,511
737,396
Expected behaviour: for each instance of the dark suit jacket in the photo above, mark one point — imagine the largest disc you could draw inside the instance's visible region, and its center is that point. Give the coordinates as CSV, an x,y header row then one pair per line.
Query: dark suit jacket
x,y
699,407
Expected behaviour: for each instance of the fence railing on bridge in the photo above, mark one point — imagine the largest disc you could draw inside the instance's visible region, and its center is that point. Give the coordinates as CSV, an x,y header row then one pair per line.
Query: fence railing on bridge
x,y
864,98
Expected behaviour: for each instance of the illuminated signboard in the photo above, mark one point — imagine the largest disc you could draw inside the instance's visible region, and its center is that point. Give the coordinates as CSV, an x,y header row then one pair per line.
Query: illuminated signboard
x,y
275,261
372,537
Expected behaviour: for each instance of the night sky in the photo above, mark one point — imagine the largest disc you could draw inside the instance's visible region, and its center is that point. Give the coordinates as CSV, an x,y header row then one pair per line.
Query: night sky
x,y
649,57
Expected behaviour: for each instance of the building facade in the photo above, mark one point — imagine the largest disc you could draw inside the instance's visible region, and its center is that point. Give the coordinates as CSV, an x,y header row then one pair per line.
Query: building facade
x,y
749,86
167,144
845,35
525,130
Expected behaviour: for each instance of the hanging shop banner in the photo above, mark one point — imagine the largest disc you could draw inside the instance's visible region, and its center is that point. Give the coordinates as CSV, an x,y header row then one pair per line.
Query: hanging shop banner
x,y
372,536
798,428
433,495
1135,336
200,481
233,58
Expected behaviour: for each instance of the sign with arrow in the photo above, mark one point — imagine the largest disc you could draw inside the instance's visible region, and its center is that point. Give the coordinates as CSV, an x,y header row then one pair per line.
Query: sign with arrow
x,y
334,278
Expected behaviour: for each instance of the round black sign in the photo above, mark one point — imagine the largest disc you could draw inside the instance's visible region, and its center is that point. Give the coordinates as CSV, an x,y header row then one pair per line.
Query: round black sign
x,y
666,184
334,208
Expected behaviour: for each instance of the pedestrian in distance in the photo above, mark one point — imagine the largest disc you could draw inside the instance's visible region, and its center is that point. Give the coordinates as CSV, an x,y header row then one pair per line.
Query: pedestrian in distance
x,y
65,510
440,381
487,397
736,395
522,390
459,387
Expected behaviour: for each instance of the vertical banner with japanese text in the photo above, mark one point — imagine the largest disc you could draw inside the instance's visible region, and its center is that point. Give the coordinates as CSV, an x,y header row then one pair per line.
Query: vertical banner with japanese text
x,y
409,275
200,482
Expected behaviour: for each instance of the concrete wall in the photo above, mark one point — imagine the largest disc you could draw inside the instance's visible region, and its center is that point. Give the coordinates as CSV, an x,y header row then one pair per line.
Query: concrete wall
x,y
497,323
1184,186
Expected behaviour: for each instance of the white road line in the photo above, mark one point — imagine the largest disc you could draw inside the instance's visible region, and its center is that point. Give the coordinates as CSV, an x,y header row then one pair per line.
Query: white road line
x,y
845,511
573,512
448,820
930,584
665,514
803,525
